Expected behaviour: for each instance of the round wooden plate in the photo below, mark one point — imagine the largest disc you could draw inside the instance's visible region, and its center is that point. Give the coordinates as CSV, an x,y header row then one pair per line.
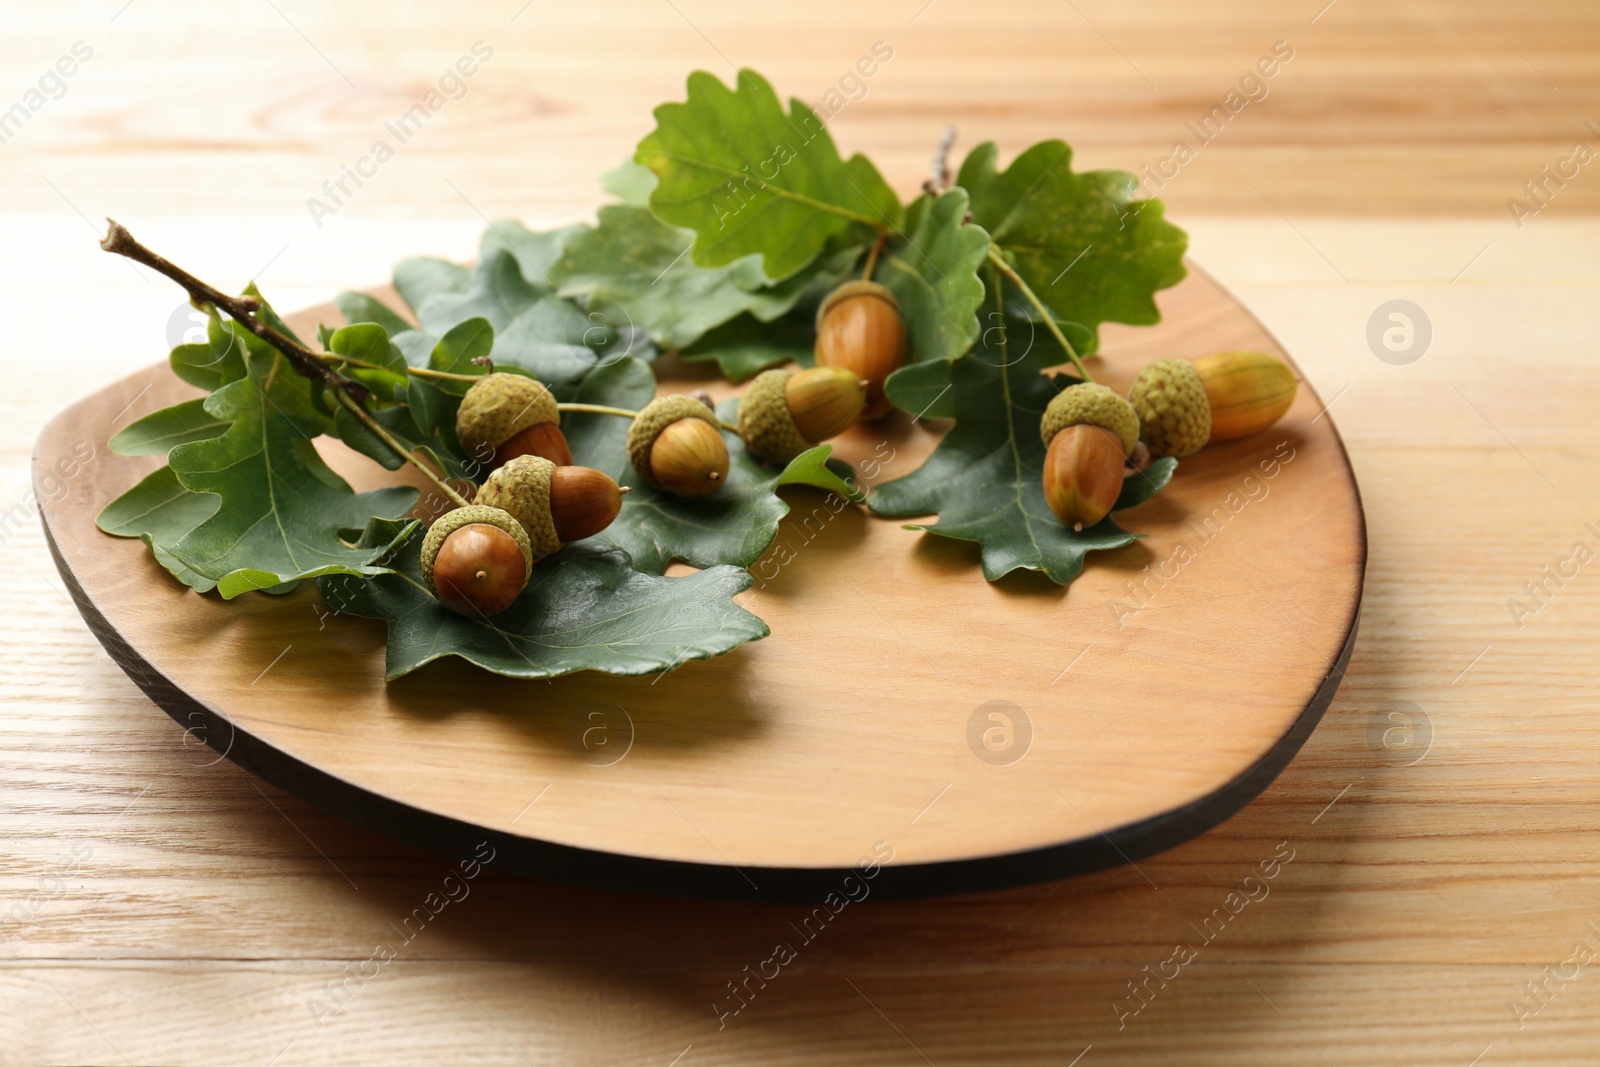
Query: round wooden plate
x,y
952,733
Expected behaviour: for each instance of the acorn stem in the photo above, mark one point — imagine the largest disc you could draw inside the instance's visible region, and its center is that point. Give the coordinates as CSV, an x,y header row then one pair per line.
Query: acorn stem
x,y
872,257
415,372
400,450
598,409
1049,319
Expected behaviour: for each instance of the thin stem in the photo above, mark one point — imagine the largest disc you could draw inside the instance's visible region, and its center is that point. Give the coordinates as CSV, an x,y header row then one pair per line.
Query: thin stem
x,y
415,372
404,453
598,409
872,257
241,309
1049,318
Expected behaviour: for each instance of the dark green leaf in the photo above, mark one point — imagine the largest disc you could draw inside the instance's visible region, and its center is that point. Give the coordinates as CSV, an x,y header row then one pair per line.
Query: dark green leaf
x,y
369,343
1080,241
734,525
159,431
460,345
745,346
282,508
584,609
359,307
932,269
424,277
635,262
749,179
160,511
985,478
534,252
497,292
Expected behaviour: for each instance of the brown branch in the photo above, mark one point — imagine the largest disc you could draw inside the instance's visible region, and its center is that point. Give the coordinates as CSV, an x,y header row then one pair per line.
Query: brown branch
x,y
241,309
308,363
939,176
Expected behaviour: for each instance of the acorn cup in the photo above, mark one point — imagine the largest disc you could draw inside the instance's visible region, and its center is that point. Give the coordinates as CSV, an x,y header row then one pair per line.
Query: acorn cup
x,y
783,412
676,444
1089,432
860,329
504,416
1174,414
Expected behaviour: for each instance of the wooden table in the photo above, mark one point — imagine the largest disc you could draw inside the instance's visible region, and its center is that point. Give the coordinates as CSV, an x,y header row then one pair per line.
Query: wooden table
x,y
157,906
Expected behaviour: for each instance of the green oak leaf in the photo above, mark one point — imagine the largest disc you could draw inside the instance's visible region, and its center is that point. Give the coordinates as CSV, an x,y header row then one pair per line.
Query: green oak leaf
x,y
924,388
632,183
421,278
282,508
746,178
1082,243
160,512
535,251
734,525
158,432
497,292
359,307
985,478
585,608
635,262
745,346
932,269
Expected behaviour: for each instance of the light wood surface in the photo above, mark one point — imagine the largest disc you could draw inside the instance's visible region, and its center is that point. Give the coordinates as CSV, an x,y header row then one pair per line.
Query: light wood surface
x,y
1037,717
198,913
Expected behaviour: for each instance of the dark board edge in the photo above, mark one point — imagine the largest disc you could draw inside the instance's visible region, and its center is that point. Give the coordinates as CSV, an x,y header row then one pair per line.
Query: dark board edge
x,y
604,870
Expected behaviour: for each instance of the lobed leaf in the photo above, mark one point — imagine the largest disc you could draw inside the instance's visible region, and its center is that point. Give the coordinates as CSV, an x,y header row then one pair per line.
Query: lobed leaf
x,y
585,608
749,179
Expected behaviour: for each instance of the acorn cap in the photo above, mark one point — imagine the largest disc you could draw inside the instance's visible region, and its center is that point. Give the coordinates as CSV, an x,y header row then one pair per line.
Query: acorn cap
x,y
451,521
765,424
656,416
857,287
522,488
498,407
1174,414
1096,405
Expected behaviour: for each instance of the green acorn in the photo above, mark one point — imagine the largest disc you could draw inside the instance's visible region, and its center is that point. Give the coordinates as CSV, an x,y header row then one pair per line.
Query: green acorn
x,y
783,412
504,416
676,444
477,560
1174,414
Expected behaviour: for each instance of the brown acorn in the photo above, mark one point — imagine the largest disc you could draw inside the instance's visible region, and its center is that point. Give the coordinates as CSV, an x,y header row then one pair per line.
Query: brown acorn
x,y
1083,474
1090,431
476,560
859,328
783,413
504,416
554,505
676,444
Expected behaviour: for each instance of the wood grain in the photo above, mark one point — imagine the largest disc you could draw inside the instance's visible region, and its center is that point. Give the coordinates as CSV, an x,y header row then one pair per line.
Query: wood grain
x,y
758,774
1418,905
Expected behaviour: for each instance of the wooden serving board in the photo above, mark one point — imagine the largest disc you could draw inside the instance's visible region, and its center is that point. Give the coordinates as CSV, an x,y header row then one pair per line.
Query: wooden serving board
x,y
966,734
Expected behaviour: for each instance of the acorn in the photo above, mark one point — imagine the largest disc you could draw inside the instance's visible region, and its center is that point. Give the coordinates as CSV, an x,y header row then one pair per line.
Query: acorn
x,y
676,444
783,412
476,560
860,329
553,504
1090,431
1174,414
1247,392
504,416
